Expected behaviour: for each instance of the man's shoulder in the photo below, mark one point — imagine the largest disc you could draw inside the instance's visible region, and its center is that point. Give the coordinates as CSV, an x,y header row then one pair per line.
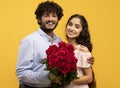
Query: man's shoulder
x,y
30,36
58,38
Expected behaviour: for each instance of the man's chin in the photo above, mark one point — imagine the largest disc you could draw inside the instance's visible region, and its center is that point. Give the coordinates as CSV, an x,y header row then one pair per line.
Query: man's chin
x,y
47,30
51,28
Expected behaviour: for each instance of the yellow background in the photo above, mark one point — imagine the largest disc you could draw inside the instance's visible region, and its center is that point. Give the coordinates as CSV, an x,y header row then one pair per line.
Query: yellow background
x,y
17,20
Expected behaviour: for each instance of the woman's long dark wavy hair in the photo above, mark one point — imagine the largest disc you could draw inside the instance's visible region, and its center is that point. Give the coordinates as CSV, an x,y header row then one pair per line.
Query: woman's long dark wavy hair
x,y
84,39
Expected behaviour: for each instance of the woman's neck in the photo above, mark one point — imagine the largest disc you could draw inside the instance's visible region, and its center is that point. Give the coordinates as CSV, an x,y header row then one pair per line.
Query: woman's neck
x,y
73,42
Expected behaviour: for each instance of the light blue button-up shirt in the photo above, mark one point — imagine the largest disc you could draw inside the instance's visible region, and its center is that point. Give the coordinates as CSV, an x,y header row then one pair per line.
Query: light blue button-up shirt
x,y
31,51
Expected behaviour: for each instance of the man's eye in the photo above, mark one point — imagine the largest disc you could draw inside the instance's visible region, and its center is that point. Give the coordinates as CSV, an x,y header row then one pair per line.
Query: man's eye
x,y
54,15
45,15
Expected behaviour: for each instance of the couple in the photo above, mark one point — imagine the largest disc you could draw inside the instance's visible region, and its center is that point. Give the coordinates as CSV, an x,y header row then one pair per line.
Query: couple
x,y
32,49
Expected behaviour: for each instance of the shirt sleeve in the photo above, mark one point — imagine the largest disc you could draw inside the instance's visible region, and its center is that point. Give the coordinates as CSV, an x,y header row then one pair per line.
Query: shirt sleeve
x,y
24,69
82,59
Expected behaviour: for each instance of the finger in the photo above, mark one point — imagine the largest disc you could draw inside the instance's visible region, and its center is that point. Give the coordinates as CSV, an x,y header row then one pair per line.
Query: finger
x,y
91,62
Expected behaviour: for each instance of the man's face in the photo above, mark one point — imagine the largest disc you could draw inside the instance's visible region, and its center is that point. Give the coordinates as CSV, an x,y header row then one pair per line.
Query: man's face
x,y
49,21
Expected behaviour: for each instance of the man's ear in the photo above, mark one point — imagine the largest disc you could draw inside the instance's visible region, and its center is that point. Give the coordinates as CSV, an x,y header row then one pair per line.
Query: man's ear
x,y
39,21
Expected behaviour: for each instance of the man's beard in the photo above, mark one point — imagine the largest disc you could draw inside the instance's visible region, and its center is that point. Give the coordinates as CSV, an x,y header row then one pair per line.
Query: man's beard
x,y
47,30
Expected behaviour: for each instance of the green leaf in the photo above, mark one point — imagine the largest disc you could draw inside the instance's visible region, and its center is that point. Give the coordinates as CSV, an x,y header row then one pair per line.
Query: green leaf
x,y
47,69
52,76
44,61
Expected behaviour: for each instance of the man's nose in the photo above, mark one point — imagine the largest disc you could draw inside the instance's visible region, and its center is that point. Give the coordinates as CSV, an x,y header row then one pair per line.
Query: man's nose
x,y
50,18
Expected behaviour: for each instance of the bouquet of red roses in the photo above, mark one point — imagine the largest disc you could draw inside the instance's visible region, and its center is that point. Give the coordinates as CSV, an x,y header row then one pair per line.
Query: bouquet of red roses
x,y
61,64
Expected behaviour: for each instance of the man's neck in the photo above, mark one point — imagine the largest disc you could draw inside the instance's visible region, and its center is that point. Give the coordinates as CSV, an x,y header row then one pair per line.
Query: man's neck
x,y
50,34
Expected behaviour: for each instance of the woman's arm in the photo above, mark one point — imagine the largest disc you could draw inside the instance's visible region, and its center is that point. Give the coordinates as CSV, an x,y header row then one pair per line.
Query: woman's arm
x,y
86,78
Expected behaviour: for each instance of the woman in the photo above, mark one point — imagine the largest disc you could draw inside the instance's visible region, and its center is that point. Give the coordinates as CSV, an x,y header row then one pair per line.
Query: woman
x,y
78,35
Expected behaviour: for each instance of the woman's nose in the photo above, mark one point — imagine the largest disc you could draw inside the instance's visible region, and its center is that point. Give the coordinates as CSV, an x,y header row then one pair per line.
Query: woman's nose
x,y
71,28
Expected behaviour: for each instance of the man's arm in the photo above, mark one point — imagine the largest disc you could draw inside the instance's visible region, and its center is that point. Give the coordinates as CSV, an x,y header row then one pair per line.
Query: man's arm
x,y
24,68
90,60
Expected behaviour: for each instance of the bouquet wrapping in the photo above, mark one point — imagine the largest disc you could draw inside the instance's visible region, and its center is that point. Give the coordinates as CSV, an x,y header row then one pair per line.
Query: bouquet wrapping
x,y
61,64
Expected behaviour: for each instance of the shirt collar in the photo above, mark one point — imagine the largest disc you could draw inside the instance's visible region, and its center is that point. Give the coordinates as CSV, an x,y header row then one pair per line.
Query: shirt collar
x,y
42,33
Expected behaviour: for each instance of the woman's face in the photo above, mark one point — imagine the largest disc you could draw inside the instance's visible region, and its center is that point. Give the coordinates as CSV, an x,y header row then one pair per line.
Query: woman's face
x,y
73,28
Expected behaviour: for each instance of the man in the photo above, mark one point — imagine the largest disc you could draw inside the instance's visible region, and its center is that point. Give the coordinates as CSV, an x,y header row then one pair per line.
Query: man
x,y
32,48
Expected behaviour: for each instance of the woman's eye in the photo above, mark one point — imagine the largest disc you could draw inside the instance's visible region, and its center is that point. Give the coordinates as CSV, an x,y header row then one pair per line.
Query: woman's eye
x,y
77,27
70,24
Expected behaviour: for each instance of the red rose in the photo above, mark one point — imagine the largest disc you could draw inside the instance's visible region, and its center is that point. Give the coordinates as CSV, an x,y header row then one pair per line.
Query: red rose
x,y
61,57
61,63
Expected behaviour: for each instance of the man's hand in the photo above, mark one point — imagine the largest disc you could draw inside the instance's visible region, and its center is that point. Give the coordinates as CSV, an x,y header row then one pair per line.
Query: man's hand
x,y
90,60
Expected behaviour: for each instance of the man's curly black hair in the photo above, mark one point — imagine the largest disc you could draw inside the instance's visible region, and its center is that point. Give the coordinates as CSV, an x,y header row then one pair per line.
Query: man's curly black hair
x,y
49,7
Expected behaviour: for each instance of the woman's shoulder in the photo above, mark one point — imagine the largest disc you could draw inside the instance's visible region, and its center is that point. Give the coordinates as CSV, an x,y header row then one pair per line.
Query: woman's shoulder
x,y
83,48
